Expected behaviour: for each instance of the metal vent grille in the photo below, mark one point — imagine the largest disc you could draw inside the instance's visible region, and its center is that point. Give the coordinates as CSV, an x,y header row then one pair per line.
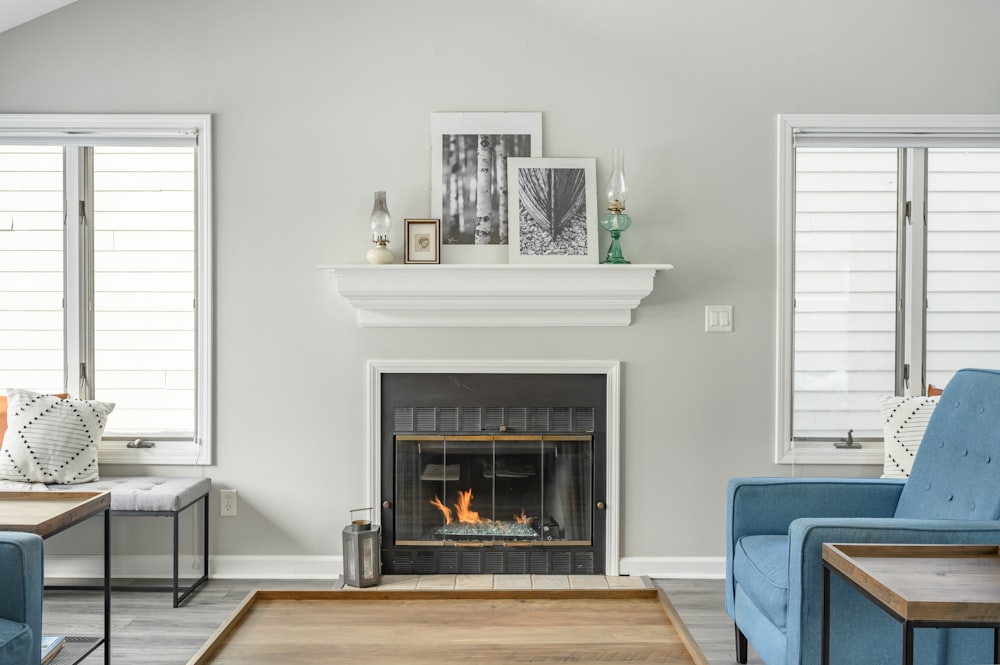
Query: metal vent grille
x,y
584,419
561,563
448,419
494,562
448,562
539,420
562,419
493,419
583,563
517,419
426,563
472,420
540,563
472,563
426,419
517,563
548,561
403,419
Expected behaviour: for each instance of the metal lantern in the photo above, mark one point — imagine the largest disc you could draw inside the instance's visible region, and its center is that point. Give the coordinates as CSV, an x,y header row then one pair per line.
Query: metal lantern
x,y
362,552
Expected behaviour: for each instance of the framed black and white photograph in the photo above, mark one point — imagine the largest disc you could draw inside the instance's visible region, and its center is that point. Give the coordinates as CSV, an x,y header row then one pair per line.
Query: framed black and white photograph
x,y
423,241
553,211
469,153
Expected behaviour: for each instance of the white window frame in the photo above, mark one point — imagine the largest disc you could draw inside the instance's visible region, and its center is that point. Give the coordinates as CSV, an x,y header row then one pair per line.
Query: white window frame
x,y
141,129
958,127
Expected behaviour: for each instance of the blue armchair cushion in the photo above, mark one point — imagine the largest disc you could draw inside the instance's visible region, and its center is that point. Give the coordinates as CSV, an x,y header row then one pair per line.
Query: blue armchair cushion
x,y
15,642
956,475
761,565
21,582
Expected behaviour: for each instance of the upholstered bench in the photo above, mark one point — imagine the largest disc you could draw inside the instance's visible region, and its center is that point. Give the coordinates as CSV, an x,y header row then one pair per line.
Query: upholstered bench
x,y
155,496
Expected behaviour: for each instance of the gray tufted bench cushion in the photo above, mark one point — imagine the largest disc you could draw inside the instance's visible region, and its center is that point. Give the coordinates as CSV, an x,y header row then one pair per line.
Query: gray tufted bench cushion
x,y
145,493
154,496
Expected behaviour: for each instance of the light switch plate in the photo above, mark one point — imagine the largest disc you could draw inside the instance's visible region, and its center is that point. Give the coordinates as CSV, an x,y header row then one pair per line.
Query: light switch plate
x,y
718,318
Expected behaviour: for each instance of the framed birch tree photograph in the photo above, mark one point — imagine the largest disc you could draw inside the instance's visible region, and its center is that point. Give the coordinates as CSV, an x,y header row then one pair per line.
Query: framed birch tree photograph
x,y
553,210
469,154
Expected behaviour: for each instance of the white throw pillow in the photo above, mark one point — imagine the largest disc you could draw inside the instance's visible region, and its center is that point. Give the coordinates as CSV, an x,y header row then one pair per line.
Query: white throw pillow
x,y
904,420
52,440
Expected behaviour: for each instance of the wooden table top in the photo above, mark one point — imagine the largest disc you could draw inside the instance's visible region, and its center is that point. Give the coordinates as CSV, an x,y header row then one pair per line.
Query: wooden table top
x,y
46,513
452,627
959,583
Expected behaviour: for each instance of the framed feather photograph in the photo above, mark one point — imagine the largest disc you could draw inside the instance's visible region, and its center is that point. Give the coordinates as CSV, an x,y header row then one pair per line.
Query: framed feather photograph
x,y
553,210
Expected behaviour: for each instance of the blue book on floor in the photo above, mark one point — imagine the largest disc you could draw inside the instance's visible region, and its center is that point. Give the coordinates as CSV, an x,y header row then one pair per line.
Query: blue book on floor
x,y
51,644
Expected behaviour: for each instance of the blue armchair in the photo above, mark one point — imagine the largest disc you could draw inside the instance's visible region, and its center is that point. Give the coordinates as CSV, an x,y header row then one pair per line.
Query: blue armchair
x,y
775,528
20,598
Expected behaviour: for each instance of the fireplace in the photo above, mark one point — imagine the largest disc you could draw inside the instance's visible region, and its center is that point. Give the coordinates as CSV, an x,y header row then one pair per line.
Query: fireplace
x,y
494,473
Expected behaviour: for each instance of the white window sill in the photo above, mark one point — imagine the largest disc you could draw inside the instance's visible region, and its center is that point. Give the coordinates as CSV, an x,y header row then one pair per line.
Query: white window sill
x,y
165,452
871,453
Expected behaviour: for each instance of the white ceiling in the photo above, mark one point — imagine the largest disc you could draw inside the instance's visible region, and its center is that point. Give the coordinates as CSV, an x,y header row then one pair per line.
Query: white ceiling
x,y
16,12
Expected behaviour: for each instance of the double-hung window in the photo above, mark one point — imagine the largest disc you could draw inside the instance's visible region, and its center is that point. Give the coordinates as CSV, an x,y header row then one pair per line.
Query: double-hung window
x,y
889,270
105,273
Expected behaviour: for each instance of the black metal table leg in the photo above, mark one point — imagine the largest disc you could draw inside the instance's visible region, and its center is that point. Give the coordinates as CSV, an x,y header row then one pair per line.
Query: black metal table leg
x,y
826,616
907,643
107,587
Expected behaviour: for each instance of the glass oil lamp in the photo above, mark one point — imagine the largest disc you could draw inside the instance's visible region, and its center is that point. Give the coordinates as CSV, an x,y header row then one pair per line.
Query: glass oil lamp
x,y
616,221
381,224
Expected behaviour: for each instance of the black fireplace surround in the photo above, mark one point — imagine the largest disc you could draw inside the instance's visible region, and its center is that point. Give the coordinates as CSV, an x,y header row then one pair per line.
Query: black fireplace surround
x,y
493,473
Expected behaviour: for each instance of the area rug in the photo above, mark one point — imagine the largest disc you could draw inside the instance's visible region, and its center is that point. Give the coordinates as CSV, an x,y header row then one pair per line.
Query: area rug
x,y
461,627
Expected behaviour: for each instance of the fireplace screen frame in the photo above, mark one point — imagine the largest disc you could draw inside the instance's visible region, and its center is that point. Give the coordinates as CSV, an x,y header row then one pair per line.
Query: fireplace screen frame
x,y
527,490
463,391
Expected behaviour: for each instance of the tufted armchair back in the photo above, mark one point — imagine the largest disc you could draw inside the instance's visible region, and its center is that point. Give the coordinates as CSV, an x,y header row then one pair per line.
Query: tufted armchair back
x,y
956,472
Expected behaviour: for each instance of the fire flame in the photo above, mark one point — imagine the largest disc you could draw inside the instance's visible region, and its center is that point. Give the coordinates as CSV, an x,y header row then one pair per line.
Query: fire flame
x,y
465,514
436,502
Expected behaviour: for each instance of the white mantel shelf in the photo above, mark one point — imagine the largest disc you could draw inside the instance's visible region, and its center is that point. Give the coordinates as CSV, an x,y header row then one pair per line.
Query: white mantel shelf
x,y
476,295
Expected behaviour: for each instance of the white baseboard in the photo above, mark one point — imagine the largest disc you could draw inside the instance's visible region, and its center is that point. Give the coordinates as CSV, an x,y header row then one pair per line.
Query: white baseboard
x,y
322,567
676,567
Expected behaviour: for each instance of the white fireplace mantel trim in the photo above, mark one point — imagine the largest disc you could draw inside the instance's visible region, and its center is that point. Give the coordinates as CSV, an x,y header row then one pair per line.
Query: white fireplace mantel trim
x,y
610,368
494,294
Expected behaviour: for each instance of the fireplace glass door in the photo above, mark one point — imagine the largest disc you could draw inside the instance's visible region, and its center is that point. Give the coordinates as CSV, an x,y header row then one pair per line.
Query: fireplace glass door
x,y
481,490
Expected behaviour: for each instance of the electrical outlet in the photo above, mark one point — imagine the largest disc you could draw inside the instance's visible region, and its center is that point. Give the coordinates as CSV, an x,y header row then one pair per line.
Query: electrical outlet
x,y
227,503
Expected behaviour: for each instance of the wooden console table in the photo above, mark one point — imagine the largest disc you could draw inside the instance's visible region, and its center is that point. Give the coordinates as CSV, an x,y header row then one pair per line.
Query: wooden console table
x,y
921,586
48,513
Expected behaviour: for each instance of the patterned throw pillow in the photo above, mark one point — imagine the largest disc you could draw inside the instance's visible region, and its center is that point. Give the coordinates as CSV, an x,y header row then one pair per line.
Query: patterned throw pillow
x,y
52,440
904,420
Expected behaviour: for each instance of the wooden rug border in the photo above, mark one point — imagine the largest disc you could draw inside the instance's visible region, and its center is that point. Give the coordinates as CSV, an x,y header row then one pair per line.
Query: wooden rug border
x,y
219,637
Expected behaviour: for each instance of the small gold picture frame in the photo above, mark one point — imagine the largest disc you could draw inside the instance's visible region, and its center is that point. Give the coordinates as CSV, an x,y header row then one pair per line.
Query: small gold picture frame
x,y
423,241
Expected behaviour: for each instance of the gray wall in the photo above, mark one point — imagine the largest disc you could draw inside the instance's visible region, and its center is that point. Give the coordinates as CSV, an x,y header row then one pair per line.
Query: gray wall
x,y
318,103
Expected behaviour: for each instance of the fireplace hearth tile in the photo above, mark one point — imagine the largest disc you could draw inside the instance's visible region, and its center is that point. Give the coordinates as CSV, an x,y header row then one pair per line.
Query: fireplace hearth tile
x,y
588,582
473,582
549,581
507,582
398,583
436,582
627,582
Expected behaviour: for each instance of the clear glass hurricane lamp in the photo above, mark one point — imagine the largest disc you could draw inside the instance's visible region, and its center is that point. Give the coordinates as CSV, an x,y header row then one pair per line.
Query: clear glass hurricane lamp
x,y
381,225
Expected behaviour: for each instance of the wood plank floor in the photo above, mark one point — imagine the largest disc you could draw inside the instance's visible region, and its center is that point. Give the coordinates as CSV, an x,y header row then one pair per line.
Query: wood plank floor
x,y
146,630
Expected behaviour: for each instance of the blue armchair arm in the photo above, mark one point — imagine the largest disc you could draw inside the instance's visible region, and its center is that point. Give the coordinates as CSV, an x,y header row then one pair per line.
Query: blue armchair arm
x,y
805,568
21,582
763,506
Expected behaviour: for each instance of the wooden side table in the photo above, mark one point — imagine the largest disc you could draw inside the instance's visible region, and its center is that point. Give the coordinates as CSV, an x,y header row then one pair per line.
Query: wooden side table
x,y
921,586
48,513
